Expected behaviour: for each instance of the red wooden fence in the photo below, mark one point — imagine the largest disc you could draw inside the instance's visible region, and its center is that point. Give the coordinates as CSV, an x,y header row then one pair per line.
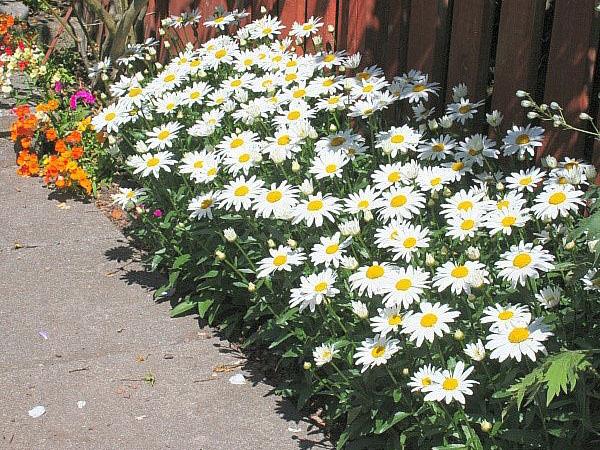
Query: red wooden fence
x,y
494,46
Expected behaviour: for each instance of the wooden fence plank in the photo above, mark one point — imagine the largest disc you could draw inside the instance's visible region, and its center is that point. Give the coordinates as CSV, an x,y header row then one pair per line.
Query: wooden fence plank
x,y
291,11
428,38
573,48
517,56
470,42
270,5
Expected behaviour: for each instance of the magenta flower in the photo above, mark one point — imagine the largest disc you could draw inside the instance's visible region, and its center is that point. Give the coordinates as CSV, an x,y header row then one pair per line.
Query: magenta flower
x,y
158,213
58,87
84,95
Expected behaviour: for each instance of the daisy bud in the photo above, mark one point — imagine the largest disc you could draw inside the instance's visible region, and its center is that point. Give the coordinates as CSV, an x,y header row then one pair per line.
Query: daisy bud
x,y
431,203
521,157
499,186
556,123
445,122
554,105
590,173
298,41
544,107
180,114
139,210
111,139
230,234
317,40
547,219
271,243
368,215
585,116
360,309
521,93
446,192
349,228
592,245
152,51
167,44
251,287
292,243
161,31
549,161
278,159
525,103
432,124
104,77
243,42
429,260
405,371
330,28
333,128
486,427
349,262
473,253
313,133
307,365
494,119
532,115
342,69
570,245
459,335
202,74
444,251
158,65
306,187
220,255
263,9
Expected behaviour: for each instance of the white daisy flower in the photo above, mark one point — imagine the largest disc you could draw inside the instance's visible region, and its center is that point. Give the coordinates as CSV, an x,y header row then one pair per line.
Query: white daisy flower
x,y
432,321
464,226
526,179
408,240
201,206
449,386
127,198
517,340
462,110
405,286
433,179
521,140
324,354
423,377
362,201
314,289
457,276
549,297
387,175
556,201
163,136
110,118
503,316
149,163
239,193
503,220
400,202
475,351
317,207
591,282
328,164
524,261
282,258
371,279
437,148
388,320
376,351
463,202
475,148
276,200
198,164
329,251
398,139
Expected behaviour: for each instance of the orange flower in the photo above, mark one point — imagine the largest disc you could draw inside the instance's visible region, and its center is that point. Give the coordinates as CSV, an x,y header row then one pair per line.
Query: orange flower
x,y
26,142
74,137
21,111
51,134
52,104
60,146
76,152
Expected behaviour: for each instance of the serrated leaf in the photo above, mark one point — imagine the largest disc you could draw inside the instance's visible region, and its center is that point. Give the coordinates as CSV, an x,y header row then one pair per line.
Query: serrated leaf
x,y
562,372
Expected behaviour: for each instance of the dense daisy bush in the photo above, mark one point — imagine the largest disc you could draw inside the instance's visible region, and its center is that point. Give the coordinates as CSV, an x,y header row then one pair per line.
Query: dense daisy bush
x,y
417,280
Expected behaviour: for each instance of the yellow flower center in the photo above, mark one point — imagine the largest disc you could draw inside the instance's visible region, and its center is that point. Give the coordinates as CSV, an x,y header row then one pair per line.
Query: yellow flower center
x,y
522,139
398,201
170,106
267,30
320,287
464,109
508,221
241,191
207,203
363,75
505,315
428,320
164,134
130,194
329,58
283,140
557,198
525,181
473,151
292,63
279,260
290,77
502,204
467,224
248,62
368,88
244,158
403,284
331,249
307,27
363,204
293,115
337,141
236,83
409,242
237,142
450,384
378,351
195,63
394,177
212,171
426,381
194,95
458,165
170,77
518,334
459,272
375,272
135,91
465,205
327,82
299,93
397,139
436,181
395,319
153,162
314,205
110,116
220,53
522,260
333,100
219,19
419,88
330,168
274,196
198,164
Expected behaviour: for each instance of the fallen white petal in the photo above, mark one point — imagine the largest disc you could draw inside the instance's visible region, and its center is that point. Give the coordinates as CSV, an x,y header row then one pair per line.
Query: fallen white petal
x,y
238,378
37,411
81,404
294,430
140,417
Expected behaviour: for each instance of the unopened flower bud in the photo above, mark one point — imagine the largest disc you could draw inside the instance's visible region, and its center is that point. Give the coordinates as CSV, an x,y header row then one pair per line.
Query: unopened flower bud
x,y
368,215
429,260
220,255
500,186
521,93
525,103
360,309
432,124
486,427
161,31
585,116
532,115
330,28
333,128
554,105
295,166
317,40
251,287
405,371
570,245
292,243
431,203
307,365
446,192
167,44
550,162
271,243
473,253
459,335
230,234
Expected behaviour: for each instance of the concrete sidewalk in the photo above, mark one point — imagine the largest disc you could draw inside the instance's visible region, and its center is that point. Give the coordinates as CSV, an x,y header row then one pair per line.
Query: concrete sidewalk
x,y
71,279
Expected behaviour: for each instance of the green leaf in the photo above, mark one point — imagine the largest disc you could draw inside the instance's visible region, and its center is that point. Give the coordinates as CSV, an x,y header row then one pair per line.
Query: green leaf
x,y
203,307
180,261
562,372
381,426
210,274
182,308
